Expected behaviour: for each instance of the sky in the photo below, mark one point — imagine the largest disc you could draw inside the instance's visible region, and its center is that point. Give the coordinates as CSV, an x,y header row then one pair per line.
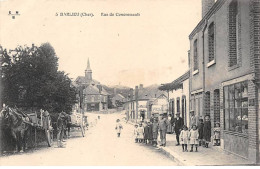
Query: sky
x,y
129,50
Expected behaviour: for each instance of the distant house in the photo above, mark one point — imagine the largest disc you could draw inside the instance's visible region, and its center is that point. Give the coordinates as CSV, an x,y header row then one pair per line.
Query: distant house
x,y
118,100
159,105
92,96
138,105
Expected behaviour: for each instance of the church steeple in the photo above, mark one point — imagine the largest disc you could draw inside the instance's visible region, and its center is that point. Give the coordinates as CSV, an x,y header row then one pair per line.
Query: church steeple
x,y
88,71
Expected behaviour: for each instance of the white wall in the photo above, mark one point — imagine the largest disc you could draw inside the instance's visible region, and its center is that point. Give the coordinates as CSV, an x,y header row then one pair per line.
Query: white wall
x,y
179,93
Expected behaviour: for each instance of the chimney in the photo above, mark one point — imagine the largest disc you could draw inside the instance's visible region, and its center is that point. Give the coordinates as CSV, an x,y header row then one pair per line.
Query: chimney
x,y
99,88
141,86
131,93
189,58
136,93
115,91
206,5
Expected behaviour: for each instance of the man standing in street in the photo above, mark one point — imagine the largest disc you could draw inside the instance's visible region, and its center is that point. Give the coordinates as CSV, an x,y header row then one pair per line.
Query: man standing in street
x,y
60,128
193,120
178,127
163,128
152,118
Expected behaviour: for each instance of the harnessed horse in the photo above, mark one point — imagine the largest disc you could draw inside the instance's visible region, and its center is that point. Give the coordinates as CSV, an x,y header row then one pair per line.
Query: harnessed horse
x,y
18,122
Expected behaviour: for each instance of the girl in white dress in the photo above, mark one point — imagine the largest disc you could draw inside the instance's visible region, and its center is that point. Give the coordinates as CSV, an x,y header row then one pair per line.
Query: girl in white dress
x,y
140,133
136,133
184,136
194,138
118,128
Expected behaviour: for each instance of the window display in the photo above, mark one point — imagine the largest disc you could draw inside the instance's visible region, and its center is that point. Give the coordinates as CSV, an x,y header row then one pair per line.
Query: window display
x,y
236,107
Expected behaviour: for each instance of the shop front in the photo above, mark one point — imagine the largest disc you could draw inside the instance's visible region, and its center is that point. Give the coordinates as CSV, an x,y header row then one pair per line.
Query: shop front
x,y
238,117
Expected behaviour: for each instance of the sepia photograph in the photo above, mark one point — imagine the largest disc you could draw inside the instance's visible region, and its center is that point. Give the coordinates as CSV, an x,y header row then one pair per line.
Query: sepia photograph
x,y
130,83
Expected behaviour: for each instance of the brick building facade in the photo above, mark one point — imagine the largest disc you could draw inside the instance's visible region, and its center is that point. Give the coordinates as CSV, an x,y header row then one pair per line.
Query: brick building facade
x,y
224,73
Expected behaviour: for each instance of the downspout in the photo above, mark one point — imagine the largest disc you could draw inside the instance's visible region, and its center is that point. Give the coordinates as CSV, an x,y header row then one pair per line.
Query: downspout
x,y
203,64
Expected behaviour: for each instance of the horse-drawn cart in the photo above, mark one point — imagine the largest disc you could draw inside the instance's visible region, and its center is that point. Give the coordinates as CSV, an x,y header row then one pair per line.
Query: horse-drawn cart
x,y
78,120
25,128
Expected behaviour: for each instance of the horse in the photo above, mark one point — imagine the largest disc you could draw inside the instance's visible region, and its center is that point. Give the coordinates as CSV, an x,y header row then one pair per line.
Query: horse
x,y
18,122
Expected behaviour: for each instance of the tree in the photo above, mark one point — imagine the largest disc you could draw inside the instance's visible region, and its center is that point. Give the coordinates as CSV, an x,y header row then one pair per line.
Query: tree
x,y
31,80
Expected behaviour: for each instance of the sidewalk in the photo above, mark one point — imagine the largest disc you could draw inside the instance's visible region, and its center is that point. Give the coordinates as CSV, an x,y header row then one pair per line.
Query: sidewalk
x,y
204,156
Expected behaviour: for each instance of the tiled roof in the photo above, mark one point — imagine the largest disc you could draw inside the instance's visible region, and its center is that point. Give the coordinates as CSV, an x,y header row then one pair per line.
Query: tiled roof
x,y
91,90
83,79
104,92
119,96
176,84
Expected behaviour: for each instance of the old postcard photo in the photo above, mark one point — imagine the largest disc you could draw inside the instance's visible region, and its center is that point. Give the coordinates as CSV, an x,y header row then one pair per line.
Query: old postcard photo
x,y
129,82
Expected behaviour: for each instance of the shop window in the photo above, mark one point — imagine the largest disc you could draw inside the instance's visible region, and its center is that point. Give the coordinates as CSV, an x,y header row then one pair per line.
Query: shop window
x,y
236,107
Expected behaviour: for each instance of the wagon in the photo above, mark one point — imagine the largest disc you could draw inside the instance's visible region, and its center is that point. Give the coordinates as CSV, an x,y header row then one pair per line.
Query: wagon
x,y
78,120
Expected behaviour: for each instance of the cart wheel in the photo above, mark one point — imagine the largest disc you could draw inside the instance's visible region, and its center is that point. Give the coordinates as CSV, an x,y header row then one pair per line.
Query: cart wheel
x,y
82,130
49,137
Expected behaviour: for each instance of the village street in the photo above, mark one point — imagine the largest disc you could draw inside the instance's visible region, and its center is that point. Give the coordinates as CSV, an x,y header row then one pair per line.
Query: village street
x,y
100,146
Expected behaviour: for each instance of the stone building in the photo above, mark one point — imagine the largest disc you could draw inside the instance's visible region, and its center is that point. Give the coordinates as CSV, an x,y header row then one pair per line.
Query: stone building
x,y
224,72
93,97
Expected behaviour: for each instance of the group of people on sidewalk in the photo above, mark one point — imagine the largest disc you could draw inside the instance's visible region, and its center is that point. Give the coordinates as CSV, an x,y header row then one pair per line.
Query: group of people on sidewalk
x,y
198,134
147,131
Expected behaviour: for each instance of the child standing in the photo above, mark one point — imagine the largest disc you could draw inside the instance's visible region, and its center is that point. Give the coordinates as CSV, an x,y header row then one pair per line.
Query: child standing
x,y
216,131
155,129
194,136
146,132
140,133
150,132
136,133
207,131
184,136
118,128
200,129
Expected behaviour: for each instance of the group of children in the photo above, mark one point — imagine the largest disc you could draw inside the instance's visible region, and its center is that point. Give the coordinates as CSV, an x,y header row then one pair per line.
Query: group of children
x,y
147,132
199,136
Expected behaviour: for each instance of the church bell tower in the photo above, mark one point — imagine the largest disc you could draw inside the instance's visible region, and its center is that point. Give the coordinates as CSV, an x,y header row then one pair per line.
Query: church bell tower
x,y
88,72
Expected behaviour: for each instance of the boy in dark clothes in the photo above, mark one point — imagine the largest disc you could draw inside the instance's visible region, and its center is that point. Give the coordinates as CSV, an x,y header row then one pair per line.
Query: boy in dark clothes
x,y
207,131
200,129
150,132
146,132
